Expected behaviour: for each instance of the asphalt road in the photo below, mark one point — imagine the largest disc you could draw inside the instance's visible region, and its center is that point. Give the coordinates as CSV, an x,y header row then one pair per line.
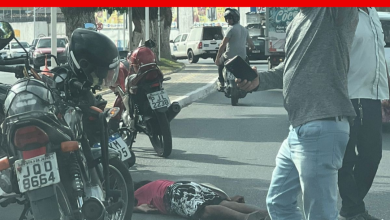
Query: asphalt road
x,y
233,148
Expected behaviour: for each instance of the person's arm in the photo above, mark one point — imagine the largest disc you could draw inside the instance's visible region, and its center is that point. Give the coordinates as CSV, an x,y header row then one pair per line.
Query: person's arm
x,y
249,40
221,50
272,79
345,16
146,208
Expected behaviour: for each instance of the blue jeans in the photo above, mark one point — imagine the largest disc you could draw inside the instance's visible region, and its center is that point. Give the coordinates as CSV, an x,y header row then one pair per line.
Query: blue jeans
x,y
308,162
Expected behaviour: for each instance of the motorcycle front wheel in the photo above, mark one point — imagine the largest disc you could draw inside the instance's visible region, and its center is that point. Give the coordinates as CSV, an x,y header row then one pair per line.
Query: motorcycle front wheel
x,y
160,134
234,96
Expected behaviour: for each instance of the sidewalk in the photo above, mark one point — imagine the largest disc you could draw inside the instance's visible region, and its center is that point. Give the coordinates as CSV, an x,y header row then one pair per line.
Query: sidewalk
x,y
186,86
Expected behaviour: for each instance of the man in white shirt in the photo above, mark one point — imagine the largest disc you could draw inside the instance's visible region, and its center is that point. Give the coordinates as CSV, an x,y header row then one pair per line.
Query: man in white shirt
x,y
367,86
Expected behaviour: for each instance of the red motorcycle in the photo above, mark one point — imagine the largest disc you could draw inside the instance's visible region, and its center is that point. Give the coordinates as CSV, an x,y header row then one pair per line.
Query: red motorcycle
x,y
145,105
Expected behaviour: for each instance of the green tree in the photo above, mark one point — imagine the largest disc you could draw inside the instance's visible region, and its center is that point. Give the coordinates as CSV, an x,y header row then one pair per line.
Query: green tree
x,y
75,17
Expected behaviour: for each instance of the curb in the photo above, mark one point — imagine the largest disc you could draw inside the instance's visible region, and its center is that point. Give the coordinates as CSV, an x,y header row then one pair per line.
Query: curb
x,y
197,94
108,91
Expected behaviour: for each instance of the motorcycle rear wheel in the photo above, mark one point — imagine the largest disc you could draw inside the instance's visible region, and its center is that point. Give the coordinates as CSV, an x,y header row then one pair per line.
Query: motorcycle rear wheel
x,y
160,134
234,96
57,204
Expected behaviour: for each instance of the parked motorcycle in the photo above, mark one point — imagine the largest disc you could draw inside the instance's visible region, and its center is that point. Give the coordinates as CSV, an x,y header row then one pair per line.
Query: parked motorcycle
x,y
53,170
147,105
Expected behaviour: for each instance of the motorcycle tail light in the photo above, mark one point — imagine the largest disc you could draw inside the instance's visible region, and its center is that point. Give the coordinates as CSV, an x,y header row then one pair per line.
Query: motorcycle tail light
x,y
34,153
69,146
155,85
30,136
200,45
4,163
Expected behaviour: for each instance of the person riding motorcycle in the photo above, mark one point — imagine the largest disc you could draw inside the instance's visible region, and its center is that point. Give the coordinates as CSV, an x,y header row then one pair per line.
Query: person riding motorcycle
x,y
233,42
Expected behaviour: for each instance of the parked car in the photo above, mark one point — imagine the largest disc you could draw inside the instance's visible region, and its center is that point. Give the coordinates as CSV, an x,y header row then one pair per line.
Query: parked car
x,y
44,47
178,47
16,51
202,42
259,52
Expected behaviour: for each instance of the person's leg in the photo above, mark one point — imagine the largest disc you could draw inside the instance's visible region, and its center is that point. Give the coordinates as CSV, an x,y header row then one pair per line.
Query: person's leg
x,y
346,180
220,71
284,187
216,212
317,150
242,207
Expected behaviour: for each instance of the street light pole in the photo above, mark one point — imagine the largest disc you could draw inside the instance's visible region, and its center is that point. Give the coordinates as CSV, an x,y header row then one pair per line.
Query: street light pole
x,y
146,23
34,24
53,35
159,33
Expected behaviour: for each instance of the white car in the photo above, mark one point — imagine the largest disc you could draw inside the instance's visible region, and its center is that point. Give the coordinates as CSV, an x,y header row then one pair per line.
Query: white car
x,y
16,51
178,47
3,55
385,20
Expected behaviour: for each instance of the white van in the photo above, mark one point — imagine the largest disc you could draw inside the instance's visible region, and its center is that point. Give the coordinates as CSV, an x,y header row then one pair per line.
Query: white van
x,y
385,20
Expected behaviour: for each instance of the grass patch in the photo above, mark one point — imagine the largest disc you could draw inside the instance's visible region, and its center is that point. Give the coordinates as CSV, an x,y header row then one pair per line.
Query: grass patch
x,y
169,65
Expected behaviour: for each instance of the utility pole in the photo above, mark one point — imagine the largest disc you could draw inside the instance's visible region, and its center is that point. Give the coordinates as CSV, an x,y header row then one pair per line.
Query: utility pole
x,y
146,24
53,35
159,33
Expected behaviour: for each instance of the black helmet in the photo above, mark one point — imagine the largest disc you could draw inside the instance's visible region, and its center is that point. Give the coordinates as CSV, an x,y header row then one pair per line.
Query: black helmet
x,y
232,14
92,52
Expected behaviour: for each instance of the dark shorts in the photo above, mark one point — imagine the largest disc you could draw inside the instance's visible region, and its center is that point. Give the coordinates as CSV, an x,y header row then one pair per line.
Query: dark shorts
x,y
188,199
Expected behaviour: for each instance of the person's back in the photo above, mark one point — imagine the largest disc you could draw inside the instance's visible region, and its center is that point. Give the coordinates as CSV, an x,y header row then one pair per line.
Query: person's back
x,y
237,35
315,70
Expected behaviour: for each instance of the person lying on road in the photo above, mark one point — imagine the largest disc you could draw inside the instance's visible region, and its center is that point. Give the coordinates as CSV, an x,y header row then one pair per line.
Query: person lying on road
x,y
192,200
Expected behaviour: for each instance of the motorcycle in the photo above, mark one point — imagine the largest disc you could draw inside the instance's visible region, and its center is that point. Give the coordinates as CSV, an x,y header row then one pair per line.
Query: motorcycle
x,y
46,134
231,89
147,107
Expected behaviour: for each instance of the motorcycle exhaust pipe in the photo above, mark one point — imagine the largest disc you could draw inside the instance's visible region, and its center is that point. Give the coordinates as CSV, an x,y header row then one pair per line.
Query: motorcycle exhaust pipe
x,y
173,110
93,209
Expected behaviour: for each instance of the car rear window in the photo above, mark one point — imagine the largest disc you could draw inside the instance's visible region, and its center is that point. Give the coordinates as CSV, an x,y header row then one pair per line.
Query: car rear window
x,y
46,43
212,33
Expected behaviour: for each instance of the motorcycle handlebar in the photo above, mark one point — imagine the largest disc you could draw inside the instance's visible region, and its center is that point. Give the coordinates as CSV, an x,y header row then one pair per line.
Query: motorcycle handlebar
x,y
18,70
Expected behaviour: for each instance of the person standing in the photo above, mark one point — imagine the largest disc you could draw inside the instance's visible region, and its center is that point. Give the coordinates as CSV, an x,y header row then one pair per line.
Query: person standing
x,y
314,81
367,86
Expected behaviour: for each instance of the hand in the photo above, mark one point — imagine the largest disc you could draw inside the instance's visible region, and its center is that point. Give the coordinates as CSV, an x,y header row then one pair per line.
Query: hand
x,y
248,86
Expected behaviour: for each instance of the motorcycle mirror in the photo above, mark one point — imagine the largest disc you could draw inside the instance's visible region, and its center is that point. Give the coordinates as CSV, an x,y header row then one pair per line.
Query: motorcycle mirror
x,y
6,34
150,43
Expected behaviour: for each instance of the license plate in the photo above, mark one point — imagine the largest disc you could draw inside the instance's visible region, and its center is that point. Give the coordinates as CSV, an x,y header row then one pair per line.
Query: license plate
x,y
255,51
116,142
213,51
37,172
230,76
158,99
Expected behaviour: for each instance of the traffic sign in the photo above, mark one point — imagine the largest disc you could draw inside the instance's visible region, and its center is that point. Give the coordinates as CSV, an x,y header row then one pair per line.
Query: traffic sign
x,y
99,26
